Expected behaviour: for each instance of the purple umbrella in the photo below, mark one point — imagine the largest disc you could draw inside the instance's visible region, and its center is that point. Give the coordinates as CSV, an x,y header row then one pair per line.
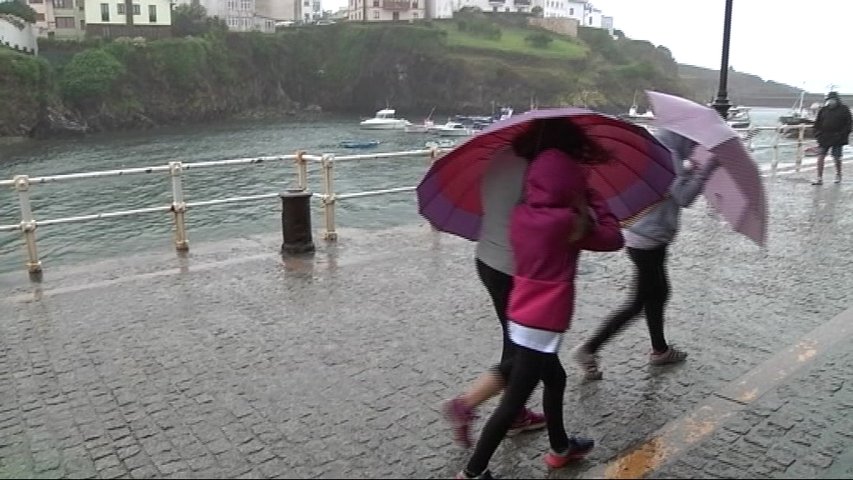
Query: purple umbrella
x,y
735,190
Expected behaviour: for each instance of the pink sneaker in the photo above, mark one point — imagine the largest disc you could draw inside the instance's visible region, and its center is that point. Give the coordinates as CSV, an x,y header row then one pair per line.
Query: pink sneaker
x,y
461,417
579,447
526,421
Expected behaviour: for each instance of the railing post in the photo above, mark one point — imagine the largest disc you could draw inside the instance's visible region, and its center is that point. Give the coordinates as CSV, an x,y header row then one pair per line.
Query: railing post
x,y
179,206
296,222
800,135
28,224
301,170
775,162
434,154
329,197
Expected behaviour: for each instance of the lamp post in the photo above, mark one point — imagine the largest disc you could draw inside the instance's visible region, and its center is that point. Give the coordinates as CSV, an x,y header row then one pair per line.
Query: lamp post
x,y
721,103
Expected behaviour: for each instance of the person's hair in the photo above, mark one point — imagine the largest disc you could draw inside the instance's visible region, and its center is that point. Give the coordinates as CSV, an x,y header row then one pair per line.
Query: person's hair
x,y
562,134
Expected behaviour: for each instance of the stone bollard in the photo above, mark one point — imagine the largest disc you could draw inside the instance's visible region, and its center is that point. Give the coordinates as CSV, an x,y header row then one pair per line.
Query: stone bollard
x,y
296,222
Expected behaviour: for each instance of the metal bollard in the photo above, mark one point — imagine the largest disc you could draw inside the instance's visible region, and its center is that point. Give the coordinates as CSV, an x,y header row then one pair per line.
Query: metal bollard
x,y
296,222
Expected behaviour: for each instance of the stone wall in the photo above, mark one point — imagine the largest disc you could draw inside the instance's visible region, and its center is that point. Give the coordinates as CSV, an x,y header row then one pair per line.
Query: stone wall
x,y
17,34
561,26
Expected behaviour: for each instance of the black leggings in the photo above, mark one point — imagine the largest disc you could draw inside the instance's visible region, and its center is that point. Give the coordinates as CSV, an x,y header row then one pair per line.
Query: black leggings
x,y
499,285
650,293
529,366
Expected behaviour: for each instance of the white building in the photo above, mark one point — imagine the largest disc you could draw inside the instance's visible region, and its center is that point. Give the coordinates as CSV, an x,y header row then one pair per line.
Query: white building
x,y
128,18
582,11
17,34
279,10
245,15
386,10
505,6
68,20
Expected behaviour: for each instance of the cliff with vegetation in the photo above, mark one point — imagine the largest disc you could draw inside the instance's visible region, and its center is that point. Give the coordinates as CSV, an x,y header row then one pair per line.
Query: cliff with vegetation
x,y
462,65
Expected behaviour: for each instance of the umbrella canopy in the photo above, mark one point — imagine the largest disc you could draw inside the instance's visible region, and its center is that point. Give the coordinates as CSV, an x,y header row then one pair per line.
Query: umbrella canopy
x,y
638,175
735,190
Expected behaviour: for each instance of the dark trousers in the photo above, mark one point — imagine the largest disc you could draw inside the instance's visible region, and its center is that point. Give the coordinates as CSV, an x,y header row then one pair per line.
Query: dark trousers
x,y
499,286
528,367
650,293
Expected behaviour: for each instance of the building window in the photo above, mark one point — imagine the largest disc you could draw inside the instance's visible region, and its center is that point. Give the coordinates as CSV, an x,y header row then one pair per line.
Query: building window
x,y
245,5
232,4
152,13
590,20
39,17
121,9
571,11
376,15
65,22
62,4
82,24
375,3
414,14
415,4
137,10
105,12
36,1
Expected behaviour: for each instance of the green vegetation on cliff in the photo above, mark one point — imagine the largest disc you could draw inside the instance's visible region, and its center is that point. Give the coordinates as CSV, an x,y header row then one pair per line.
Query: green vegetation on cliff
x,y
344,67
26,85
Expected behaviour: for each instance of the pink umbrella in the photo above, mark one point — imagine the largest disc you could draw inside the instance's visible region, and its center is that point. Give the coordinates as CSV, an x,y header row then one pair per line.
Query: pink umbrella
x,y
735,190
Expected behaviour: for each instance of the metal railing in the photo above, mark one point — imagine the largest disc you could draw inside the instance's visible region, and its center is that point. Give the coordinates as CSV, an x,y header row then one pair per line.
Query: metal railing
x,y
328,197
178,206
781,131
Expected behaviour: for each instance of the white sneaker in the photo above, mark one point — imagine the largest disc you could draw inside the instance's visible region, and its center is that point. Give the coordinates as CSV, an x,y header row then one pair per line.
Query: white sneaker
x,y
670,356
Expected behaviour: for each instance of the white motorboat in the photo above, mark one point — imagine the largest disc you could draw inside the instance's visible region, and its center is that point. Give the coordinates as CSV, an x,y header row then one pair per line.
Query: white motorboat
x,y
454,129
425,127
385,119
739,117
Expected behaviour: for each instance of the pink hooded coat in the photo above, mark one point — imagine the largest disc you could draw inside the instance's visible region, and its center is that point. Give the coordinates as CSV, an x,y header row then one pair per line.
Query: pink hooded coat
x,y
543,291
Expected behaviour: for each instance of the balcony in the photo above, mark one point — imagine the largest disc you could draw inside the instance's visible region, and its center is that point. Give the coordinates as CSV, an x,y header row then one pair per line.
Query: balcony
x,y
396,5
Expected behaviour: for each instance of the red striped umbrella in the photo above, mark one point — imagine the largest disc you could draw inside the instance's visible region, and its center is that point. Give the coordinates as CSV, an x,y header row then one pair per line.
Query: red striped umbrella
x,y
638,175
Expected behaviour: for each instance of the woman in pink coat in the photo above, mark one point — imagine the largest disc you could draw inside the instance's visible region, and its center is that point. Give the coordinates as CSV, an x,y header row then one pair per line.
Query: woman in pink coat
x,y
559,216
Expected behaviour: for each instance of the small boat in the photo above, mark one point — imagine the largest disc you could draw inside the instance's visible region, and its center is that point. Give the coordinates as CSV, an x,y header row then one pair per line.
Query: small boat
x,y
359,143
425,127
385,119
739,117
454,129
634,116
442,143
800,114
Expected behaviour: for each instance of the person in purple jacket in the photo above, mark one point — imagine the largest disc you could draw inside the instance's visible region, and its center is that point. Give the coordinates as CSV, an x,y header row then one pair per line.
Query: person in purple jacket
x,y
558,217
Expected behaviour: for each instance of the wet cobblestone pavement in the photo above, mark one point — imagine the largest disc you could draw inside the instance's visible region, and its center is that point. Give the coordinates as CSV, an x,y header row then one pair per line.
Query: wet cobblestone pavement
x,y
233,363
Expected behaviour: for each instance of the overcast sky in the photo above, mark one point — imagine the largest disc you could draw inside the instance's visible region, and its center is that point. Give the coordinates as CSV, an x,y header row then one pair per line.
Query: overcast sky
x,y
805,44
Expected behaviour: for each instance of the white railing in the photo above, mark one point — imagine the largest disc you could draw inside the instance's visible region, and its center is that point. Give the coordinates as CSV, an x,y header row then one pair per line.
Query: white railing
x,y
28,225
328,197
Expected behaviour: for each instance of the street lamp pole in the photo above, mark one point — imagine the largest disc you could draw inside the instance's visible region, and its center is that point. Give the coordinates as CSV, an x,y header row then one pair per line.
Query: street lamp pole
x,y
721,104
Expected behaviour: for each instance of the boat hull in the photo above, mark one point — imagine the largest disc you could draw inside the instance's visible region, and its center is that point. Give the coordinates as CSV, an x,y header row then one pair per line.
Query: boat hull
x,y
367,125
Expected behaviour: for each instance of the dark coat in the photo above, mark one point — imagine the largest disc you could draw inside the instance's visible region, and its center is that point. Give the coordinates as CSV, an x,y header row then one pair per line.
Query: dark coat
x,y
833,125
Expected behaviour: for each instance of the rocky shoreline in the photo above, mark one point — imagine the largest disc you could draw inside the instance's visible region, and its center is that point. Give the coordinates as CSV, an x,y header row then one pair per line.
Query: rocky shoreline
x,y
55,123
